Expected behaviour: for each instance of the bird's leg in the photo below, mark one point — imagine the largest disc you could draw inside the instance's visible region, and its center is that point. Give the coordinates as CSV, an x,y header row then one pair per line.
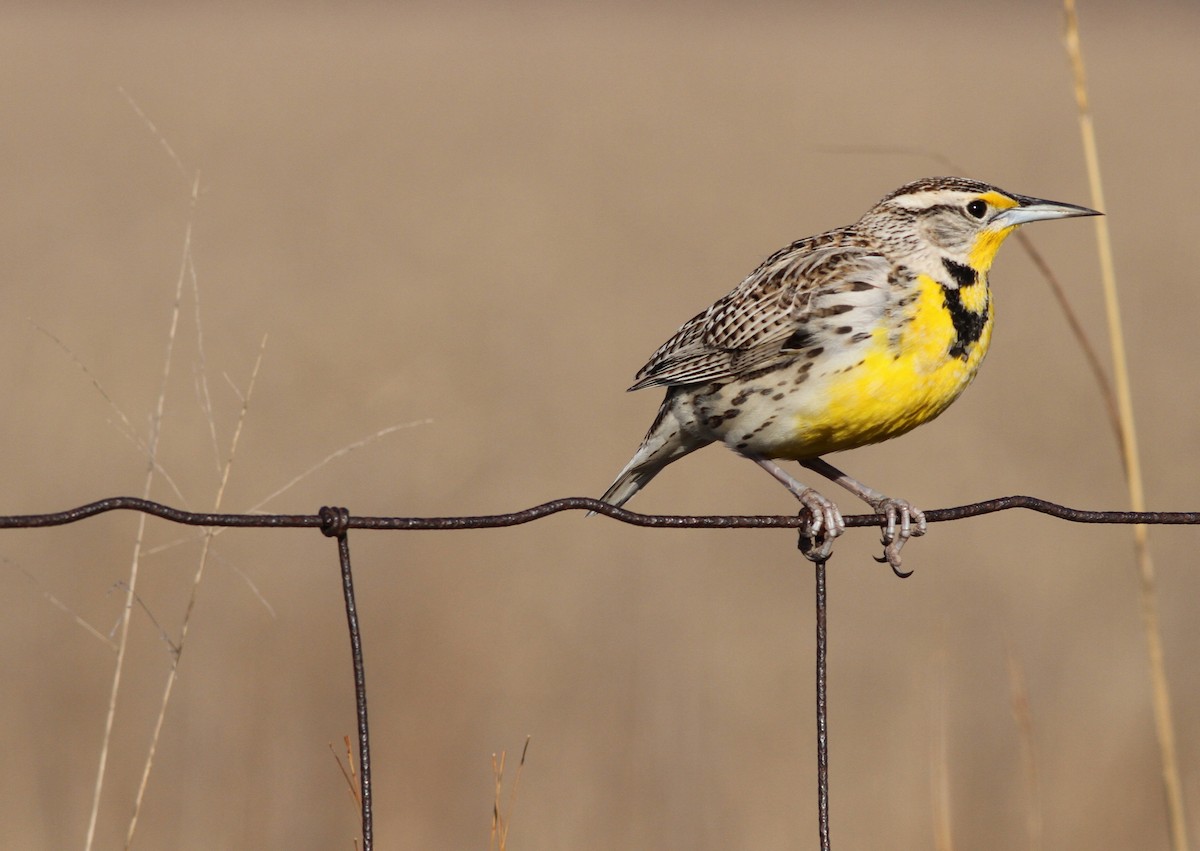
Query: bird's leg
x,y
902,519
824,520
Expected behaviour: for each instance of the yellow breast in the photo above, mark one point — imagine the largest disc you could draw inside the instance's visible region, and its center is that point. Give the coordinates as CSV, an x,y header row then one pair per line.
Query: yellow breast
x,y
913,369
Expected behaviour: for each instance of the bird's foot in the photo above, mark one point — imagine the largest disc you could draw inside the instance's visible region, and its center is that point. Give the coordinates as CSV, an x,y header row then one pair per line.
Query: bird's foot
x,y
823,524
902,520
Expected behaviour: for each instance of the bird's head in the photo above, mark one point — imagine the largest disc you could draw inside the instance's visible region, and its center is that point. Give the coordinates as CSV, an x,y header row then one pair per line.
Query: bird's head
x,y
959,218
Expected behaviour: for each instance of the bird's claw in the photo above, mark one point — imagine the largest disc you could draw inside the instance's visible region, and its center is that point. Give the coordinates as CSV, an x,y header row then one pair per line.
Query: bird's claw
x,y
824,524
902,520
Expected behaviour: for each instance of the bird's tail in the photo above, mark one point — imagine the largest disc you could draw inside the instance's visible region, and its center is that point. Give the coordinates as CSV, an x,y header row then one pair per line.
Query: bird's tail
x,y
668,439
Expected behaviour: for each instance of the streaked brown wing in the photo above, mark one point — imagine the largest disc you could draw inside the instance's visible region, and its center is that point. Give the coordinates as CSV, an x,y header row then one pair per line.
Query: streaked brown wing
x,y
773,314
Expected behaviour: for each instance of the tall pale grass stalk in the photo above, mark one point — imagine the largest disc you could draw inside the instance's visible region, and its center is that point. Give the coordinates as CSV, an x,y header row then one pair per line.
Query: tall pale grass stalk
x,y
206,549
131,583
939,759
1147,594
1018,690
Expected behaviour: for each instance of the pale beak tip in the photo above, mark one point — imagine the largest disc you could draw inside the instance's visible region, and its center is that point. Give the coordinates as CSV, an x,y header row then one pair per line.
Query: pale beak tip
x,y
1039,210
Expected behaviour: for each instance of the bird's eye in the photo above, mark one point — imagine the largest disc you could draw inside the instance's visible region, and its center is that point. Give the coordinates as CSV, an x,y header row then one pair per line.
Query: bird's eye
x,y
977,208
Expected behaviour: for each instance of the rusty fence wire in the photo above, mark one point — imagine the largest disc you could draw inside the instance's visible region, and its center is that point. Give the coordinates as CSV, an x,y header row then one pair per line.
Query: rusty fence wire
x,y
335,522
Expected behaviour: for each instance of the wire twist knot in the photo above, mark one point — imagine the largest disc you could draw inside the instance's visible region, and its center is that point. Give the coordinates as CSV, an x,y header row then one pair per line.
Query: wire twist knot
x,y
334,521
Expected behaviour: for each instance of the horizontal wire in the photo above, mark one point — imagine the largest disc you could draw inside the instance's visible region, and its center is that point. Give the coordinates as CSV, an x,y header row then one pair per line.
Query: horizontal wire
x,y
577,503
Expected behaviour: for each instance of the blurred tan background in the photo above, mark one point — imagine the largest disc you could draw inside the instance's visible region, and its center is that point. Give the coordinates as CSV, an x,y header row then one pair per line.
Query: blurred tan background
x,y
487,217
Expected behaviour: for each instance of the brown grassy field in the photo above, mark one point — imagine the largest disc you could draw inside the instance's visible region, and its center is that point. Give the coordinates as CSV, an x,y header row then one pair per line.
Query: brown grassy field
x,y
486,218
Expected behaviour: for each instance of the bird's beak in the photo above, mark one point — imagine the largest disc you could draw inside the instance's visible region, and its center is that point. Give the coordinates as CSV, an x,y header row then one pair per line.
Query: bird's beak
x,y
1036,210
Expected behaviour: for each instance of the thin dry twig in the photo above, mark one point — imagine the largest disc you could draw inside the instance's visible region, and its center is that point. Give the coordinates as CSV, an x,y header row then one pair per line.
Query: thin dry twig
x,y
1147,594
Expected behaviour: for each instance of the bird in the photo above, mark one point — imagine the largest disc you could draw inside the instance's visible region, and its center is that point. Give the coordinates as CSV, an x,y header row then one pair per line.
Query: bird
x,y
839,340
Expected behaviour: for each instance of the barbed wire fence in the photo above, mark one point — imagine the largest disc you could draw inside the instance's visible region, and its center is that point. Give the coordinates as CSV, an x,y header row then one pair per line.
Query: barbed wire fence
x,y
336,522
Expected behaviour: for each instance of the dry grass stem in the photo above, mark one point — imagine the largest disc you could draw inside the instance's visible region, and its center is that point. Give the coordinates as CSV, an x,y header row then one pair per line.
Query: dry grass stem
x,y
1023,717
1148,600
205,551
124,427
216,556
1078,331
939,762
59,604
501,821
130,593
154,131
202,392
347,769
498,785
333,456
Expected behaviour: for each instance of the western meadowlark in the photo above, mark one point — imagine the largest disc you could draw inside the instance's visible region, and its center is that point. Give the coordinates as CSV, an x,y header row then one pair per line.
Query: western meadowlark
x,y
847,338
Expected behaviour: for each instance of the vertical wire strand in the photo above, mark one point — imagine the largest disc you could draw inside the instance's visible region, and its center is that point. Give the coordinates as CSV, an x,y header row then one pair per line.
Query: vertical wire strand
x,y
335,522
822,711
